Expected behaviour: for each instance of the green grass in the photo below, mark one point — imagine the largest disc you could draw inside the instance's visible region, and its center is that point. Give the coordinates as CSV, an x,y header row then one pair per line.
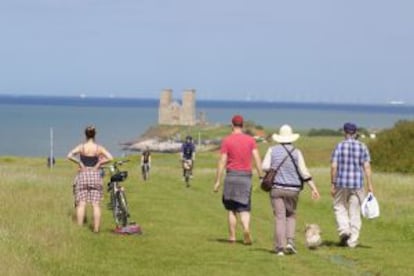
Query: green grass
x,y
184,228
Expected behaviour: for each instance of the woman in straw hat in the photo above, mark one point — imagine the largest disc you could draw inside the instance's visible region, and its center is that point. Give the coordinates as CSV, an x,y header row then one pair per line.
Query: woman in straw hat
x,y
292,173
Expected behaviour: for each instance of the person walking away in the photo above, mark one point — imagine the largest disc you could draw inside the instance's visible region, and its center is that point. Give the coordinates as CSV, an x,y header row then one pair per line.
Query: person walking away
x,y
350,162
188,154
88,184
145,161
288,183
236,154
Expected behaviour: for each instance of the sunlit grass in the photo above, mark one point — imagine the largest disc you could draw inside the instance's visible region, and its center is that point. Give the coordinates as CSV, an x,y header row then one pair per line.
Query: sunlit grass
x,y
184,229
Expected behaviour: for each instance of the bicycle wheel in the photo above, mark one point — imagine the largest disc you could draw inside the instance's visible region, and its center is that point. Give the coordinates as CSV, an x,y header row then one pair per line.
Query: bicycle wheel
x,y
111,192
122,214
115,207
145,172
111,203
187,178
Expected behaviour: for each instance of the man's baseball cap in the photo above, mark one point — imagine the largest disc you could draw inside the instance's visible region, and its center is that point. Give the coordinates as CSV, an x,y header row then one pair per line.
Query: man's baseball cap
x,y
350,128
237,120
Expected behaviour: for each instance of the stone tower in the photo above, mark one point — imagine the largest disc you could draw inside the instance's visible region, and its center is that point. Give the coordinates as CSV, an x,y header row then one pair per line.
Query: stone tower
x,y
170,112
164,107
188,117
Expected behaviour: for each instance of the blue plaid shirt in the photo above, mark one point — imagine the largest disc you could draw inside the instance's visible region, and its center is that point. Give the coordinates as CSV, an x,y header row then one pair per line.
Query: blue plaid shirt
x,y
350,156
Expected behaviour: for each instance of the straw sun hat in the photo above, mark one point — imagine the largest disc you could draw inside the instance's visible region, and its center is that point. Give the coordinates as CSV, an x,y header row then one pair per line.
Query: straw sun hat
x,y
285,135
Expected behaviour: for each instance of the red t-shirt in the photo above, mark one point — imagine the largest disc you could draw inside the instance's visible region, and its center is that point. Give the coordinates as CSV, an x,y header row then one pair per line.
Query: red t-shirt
x,y
238,147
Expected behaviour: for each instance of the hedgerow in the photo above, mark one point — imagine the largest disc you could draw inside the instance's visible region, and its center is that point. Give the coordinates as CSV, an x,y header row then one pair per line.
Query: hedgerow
x,y
392,150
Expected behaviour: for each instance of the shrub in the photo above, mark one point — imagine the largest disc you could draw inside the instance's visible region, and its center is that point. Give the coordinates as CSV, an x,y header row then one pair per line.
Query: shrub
x,y
325,132
333,132
392,151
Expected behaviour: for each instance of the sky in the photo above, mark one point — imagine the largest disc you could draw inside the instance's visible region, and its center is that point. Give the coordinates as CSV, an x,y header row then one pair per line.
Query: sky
x,y
342,51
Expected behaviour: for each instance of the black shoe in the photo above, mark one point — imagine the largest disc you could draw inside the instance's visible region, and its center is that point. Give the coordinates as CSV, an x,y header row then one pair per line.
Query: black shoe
x,y
343,239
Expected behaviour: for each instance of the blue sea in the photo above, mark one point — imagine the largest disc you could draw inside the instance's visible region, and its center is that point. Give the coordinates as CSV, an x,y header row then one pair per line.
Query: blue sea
x,y
26,121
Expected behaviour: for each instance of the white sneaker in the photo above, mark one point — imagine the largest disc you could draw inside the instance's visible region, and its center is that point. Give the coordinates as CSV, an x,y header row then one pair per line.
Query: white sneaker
x,y
290,249
352,243
279,251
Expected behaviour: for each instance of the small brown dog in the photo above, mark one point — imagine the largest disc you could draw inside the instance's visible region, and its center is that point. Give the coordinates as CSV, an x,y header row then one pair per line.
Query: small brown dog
x,y
313,236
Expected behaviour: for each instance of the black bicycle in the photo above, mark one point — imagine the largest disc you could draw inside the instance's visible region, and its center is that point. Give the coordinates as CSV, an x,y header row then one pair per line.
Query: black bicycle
x,y
118,202
187,171
145,168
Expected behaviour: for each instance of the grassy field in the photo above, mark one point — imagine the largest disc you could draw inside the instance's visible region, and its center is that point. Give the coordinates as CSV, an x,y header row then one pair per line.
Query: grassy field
x,y
184,229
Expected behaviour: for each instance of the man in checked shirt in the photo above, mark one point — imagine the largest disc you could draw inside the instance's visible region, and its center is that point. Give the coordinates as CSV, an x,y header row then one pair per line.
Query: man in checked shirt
x,y
350,162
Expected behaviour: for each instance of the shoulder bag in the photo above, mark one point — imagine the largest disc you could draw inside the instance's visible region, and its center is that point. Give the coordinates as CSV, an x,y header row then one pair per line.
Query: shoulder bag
x,y
267,181
301,179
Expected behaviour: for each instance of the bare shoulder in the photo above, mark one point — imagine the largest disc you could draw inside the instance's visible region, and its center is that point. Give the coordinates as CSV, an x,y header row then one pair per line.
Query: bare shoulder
x,y
75,150
102,150
78,148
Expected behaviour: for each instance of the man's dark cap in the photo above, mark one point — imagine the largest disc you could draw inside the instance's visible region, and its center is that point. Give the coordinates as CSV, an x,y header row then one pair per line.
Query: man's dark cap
x,y
350,128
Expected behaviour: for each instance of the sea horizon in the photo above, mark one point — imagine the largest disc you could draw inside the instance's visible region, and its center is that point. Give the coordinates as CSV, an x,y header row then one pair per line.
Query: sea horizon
x,y
29,119
79,100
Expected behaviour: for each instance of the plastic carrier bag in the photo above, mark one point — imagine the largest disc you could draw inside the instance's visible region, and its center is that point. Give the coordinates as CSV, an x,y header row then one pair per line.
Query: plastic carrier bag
x,y
370,207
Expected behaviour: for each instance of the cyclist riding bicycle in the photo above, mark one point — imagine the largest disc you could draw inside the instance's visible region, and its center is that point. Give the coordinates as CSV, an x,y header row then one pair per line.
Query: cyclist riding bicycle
x,y
188,154
145,161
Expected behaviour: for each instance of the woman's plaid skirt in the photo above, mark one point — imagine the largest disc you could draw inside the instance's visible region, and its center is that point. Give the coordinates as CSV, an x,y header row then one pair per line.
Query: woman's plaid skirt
x,y
88,186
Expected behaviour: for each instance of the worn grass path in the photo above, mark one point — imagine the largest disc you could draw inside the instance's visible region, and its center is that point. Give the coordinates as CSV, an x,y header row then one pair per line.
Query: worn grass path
x,y
185,228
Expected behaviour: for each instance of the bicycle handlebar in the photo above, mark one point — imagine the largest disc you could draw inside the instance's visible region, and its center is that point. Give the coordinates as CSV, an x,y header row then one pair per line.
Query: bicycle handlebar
x,y
120,162
115,164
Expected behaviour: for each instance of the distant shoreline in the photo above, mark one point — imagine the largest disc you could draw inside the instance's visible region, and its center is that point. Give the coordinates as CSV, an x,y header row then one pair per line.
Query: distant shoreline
x,y
201,103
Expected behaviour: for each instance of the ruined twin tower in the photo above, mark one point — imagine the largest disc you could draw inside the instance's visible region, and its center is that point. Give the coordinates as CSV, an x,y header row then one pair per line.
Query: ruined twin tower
x,y
171,112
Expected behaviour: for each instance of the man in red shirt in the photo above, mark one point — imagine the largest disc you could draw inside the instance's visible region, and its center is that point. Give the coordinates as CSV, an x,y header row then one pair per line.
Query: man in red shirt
x,y
236,154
